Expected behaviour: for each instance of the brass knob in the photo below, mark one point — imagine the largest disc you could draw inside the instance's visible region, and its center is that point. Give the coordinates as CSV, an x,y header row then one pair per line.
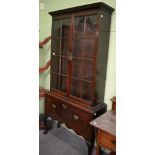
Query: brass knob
x,y
54,106
76,117
64,106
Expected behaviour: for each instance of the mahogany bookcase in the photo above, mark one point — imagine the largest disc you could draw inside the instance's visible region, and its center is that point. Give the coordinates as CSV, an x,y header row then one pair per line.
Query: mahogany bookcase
x,y
79,52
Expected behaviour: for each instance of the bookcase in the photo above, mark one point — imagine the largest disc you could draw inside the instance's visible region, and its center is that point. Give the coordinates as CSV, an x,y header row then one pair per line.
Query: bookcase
x,y
79,52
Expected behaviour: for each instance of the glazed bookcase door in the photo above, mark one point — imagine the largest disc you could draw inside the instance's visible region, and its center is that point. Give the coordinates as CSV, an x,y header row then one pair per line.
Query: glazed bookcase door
x,y
83,53
59,49
73,56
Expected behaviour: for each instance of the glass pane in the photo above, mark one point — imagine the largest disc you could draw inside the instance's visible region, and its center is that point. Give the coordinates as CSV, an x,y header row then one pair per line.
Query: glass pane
x,y
86,91
64,46
78,26
89,48
75,87
63,82
83,48
77,48
76,68
55,64
82,69
91,22
55,46
56,27
65,27
55,81
64,66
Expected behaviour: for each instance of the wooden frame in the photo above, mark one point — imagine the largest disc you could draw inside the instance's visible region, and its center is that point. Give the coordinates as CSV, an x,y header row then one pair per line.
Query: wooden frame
x,y
83,49
70,49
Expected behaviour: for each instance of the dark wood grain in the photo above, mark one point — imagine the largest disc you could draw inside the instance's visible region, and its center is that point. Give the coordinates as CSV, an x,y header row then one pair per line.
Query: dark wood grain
x,y
73,115
99,5
79,53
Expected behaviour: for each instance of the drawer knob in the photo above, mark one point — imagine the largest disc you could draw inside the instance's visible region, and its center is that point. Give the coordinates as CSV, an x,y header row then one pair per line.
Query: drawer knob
x,y
64,106
76,117
54,106
113,142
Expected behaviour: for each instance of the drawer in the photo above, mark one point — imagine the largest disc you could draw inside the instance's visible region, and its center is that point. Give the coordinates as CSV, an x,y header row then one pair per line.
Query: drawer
x,y
65,111
80,120
107,140
75,118
79,115
74,114
52,107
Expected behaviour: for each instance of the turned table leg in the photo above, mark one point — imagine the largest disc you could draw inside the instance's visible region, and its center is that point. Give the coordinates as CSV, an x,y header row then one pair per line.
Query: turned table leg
x,y
58,125
46,125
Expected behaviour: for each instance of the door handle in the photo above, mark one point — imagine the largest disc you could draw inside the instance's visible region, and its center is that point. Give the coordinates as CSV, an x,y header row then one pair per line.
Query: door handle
x,y
64,106
54,106
76,117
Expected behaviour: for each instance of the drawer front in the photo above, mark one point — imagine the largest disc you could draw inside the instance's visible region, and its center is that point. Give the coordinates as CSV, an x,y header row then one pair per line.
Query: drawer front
x,y
65,111
107,140
73,117
78,115
78,120
52,107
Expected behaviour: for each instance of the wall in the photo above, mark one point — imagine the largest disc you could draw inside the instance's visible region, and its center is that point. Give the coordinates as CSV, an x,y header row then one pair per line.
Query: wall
x,y
45,30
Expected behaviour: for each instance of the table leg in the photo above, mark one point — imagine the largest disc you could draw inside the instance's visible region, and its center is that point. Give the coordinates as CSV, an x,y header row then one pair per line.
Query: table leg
x,y
98,150
58,125
46,125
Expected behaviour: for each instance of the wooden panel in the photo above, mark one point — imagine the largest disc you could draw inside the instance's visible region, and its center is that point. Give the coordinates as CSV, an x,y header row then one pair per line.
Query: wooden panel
x,y
79,115
75,115
74,118
52,107
93,6
107,140
65,112
78,121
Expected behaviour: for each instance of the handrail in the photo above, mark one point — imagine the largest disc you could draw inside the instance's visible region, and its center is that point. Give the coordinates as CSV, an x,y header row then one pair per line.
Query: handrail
x,y
41,92
44,42
42,69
